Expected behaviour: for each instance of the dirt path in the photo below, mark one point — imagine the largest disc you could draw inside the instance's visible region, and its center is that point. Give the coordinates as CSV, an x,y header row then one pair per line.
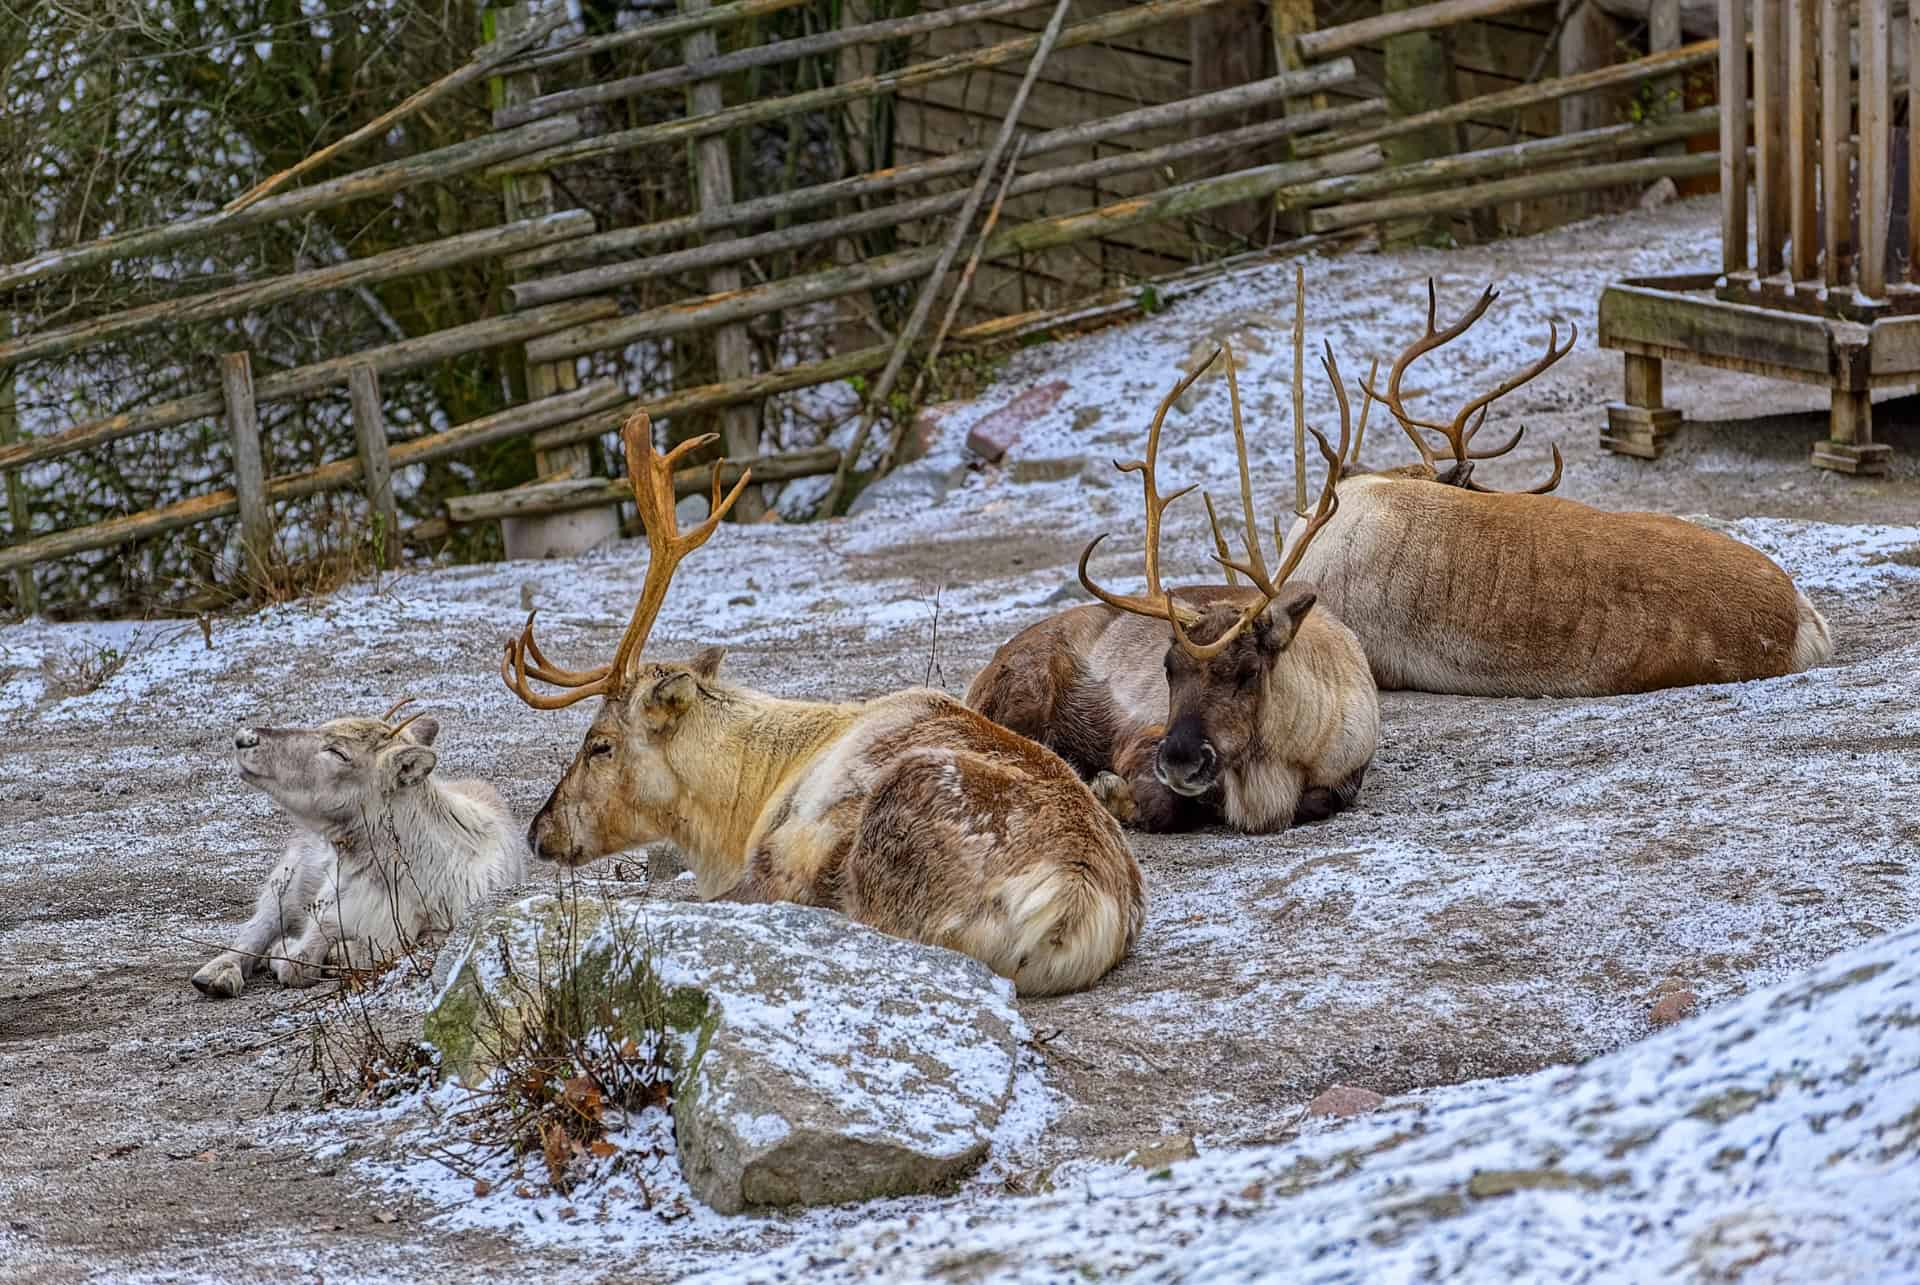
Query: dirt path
x,y
1517,879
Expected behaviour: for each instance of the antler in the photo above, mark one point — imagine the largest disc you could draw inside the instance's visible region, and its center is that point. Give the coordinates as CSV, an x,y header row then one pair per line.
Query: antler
x,y
394,729
1155,603
652,476
1254,567
1460,432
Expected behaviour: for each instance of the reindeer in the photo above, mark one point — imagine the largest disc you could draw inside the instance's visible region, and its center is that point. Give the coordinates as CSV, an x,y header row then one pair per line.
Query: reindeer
x,y
1454,587
386,859
908,813
1200,704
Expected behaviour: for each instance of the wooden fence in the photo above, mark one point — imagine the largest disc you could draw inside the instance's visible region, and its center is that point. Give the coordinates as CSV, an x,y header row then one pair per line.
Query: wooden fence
x,y
581,296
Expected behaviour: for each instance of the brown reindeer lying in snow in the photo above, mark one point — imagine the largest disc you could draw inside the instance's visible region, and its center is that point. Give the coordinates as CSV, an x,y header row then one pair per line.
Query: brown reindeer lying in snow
x,y
387,857
1451,587
909,813
1212,703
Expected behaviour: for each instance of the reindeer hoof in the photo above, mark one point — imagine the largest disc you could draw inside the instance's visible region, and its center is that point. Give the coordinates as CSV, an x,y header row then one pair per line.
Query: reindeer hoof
x,y
295,975
1115,795
220,979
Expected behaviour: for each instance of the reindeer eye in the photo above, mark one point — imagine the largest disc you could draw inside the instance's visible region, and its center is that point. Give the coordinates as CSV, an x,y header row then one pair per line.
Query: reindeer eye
x,y
339,753
598,748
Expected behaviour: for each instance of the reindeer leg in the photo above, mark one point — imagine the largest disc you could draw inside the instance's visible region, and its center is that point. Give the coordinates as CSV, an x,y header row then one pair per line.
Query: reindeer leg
x,y
1318,802
1156,809
225,975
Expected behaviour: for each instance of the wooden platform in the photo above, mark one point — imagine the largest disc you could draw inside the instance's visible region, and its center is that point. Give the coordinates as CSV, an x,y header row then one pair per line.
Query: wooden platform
x,y
1697,318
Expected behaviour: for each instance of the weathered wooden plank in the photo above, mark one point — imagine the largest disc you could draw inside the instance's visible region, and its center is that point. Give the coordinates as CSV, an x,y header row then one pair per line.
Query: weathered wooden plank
x,y
541,498
1876,111
1530,187
1427,17
1756,339
715,66
648,33
1770,104
374,181
1586,45
1732,50
1103,68
304,381
1487,105
712,160
333,476
1895,348
1126,125
1495,162
908,265
249,469
376,467
1167,42
1836,129
1088,174
1803,116
1913,143
26,593
234,300
1132,18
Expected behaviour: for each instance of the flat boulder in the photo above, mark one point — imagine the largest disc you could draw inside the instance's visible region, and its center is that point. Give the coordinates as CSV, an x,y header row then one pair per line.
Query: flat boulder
x,y
815,1061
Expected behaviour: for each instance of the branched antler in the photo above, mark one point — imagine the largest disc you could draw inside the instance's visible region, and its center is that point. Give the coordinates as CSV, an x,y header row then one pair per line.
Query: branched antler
x,y
652,477
1460,432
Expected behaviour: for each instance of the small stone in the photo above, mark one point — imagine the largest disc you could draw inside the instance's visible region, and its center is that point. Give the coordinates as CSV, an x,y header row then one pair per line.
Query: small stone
x,y
1670,986
1673,1007
740,600
1345,1100
998,430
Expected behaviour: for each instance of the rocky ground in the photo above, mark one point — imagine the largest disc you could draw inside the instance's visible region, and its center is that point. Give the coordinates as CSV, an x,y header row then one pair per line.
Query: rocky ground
x,y
1520,886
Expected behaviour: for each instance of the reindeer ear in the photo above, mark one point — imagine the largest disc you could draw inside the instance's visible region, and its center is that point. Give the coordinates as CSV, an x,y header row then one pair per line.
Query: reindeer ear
x,y
411,764
1278,624
669,698
421,731
707,663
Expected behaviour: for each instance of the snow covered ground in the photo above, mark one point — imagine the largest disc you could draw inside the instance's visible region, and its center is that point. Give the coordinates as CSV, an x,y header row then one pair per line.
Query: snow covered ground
x,y
1519,883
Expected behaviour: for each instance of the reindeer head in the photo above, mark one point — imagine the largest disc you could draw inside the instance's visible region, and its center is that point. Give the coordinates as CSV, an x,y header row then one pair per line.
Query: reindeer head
x,y
624,784
1460,431
1222,658
340,772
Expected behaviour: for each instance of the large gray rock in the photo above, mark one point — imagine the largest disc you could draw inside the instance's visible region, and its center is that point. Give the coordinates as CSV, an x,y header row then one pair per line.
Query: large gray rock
x,y
816,1061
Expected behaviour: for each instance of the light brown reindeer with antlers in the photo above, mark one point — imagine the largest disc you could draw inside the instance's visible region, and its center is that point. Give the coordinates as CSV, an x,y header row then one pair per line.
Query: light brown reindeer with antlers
x,y
1195,705
1453,587
909,813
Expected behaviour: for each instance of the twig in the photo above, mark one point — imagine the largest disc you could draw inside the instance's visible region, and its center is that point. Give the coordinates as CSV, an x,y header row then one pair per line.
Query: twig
x,y
1299,390
933,647
483,61
923,305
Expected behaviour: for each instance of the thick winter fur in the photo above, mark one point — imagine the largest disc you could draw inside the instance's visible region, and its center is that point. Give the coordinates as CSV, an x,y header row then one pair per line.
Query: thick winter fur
x,y
386,858
1277,729
1500,594
910,814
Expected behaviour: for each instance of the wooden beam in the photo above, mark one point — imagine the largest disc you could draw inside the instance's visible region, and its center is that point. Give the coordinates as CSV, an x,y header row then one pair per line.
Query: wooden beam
x,y
26,593
304,381
909,265
1740,336
1876,109
1836,133
1587,37
1803,117
1419,82
597,280
376,467
1531,187
1771,201
1425,17
711,67
648,33
858,187
333,476
1129,18
249,467
234,300
1733,135
375,181
543,498
712,163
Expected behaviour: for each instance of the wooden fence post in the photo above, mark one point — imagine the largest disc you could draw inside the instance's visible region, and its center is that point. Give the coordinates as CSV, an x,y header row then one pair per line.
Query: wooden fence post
x,y
26,594
1663,34
249,469
528,196
732,349
1586,44
370,432
1419,79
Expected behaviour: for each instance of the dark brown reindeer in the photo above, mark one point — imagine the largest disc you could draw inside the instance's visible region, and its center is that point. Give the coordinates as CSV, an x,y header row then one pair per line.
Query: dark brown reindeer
x,y
1463,589
1196,705
909,813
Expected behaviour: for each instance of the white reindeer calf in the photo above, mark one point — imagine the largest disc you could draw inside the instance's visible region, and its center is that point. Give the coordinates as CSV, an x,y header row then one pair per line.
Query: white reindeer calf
x,y
387,858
